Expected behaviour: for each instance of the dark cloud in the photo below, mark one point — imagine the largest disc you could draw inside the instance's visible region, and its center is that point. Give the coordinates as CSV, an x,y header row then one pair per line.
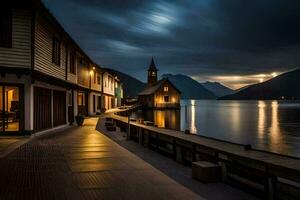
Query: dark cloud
x,y
203,38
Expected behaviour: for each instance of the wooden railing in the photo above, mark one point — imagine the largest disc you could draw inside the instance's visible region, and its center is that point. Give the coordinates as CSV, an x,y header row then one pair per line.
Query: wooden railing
x,y
268,175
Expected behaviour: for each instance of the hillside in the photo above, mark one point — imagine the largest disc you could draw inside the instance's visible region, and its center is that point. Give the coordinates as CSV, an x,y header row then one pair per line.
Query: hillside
x,y
217,88
189,88
285,86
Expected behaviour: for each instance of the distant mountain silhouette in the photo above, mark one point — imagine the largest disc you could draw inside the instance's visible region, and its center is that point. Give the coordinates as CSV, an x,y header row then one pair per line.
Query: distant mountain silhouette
x,y
131,86
285,86
217,88
190,89
240,89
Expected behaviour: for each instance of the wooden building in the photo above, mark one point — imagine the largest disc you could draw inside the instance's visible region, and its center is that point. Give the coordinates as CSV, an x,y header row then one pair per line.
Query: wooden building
x,y
45,77
159,94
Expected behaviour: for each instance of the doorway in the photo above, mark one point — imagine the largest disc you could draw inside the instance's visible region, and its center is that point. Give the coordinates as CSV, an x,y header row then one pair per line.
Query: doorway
x,y
11,109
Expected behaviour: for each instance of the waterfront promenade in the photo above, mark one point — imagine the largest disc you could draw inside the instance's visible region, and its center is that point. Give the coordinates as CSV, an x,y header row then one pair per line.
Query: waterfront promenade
x,y
178,172
81,163
269,175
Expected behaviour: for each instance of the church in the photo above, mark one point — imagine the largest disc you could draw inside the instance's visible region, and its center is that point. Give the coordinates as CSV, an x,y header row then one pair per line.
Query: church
x,y
159,94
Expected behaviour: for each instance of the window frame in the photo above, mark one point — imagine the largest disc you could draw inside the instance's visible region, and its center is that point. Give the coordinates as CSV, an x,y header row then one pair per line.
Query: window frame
x,y
56,51
6,30
98,79
72,68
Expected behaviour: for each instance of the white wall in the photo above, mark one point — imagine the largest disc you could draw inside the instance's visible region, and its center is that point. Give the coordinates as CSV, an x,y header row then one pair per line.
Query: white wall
x,y
108,84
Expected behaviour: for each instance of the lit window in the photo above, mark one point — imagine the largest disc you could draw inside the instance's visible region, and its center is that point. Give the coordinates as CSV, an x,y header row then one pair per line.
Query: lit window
x,y
153,74
166,89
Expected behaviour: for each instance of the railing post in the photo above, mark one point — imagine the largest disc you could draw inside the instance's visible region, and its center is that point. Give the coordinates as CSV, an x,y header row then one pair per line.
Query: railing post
x,y
270,187
156,142
178,154
140,132
224,171
174,149
193,152
128,129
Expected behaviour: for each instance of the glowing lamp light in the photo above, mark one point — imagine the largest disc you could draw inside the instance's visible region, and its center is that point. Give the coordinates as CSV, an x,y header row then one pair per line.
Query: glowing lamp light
x,y
94,68
91,72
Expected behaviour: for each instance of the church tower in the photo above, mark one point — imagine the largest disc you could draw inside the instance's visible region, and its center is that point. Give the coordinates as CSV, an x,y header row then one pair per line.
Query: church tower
x,y
152,73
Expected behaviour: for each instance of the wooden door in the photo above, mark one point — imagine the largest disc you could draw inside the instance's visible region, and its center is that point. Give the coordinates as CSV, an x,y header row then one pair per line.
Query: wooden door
x,y
42,109
59,108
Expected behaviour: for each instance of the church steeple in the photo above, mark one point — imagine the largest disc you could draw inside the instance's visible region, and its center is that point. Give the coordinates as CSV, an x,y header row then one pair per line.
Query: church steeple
x,y
152,73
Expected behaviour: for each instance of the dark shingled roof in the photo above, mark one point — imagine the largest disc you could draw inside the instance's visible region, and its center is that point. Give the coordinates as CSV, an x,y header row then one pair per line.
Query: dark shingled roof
x,y
152,89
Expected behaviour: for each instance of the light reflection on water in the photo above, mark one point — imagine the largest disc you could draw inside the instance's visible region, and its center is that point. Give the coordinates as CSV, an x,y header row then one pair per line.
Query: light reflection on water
x,y
268,125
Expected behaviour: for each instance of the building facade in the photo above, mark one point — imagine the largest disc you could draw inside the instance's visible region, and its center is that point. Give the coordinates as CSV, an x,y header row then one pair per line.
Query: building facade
x,y
118,92
46,79
160,94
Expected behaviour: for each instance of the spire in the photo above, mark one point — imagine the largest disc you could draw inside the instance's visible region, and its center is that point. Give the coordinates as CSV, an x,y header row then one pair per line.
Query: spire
x,y
152,66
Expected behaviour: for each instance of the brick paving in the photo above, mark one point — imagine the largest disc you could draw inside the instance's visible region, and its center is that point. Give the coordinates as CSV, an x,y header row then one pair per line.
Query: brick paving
x,y
81,163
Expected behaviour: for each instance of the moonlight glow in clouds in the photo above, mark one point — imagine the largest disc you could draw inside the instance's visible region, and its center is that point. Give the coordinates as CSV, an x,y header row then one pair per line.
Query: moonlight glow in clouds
x,y
207,39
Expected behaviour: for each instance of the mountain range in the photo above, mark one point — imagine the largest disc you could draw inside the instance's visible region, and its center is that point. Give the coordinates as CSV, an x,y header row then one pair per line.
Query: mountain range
x,y
190,88
284,86
217,88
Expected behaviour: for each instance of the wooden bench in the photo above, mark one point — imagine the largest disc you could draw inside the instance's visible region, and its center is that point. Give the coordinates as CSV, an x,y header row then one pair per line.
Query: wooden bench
x,y
206,172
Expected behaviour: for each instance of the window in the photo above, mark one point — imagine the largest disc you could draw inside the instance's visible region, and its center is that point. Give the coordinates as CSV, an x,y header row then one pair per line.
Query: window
x,y
98,79
69,99
94,103
166,89
6,28
56,51
81,99
99,103
95,77
153,74
72,62
166,99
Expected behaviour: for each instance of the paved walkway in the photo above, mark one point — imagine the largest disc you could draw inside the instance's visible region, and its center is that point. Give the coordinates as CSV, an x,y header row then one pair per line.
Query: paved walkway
x,y
81,163
9,144
176,171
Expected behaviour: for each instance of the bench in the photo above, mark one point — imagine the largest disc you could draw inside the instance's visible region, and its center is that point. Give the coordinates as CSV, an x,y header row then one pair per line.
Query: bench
x,y
206,172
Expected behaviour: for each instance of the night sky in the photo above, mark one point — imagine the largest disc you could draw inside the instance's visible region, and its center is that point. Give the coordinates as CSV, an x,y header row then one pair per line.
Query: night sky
x,y
235,42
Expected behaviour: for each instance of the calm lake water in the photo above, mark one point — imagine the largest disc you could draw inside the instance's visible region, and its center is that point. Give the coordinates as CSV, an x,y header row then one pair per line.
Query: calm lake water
x,y
267,125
